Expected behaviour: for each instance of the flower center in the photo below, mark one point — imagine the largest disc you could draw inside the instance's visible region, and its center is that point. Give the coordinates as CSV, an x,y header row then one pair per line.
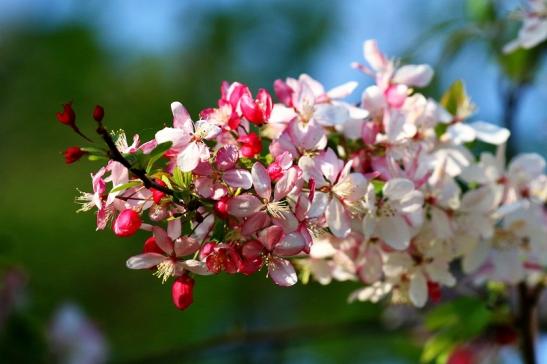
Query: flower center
x,y
165,270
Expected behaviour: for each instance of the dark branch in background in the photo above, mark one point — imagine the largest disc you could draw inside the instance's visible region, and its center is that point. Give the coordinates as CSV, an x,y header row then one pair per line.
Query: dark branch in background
x,y
260,339
528,320
115,155
510,95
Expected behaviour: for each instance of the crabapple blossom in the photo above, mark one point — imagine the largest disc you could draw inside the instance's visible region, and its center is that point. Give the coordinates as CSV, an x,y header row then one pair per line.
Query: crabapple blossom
x,y
386,193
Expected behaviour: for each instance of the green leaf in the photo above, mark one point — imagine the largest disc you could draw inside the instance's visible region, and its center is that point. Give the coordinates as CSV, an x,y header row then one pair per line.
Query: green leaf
x,y
126,186
456,101
156,154
96,158
436,346
178,177
481,11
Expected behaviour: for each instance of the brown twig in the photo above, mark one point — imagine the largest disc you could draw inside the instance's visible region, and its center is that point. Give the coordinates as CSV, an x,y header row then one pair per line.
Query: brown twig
x,y
528,320
115,155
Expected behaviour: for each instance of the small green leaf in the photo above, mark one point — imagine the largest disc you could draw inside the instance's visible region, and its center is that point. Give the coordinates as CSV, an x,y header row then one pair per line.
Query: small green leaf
x,y
456,101
437,346
126,186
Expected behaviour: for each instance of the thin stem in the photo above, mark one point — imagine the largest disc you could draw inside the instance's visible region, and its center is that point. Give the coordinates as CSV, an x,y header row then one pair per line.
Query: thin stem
x,y
115,155
528,321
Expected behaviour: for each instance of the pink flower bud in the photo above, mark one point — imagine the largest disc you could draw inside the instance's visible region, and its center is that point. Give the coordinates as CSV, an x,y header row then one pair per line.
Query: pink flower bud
x,y
72,154
275,171
182,292
283,92
98,113
127,223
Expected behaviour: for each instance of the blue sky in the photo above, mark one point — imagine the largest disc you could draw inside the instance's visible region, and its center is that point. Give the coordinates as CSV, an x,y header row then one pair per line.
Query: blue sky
x,y
134,28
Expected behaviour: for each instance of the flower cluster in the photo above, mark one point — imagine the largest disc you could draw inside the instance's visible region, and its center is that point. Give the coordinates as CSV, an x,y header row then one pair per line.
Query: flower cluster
x,y
385,192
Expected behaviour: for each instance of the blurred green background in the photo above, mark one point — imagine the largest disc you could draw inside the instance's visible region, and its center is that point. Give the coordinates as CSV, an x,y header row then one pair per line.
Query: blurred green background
x,y
134,58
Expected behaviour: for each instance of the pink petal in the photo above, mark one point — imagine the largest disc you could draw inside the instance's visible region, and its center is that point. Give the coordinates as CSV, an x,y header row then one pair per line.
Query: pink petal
x,y
255,222
282,272
244,205
174,229
238,178
286,183
270,236
181,117
162,240
185,246
227,157
374,56
291,244
261,181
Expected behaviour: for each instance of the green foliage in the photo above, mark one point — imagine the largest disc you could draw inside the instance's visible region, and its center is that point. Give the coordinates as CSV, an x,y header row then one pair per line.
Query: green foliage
x,y
454,322
481,11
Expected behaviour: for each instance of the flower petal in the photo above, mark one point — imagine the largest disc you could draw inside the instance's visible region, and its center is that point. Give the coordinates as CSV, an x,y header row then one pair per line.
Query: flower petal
x,y
244,205
417,291
337,218
238,178
261,181
282,272
394,231
145,261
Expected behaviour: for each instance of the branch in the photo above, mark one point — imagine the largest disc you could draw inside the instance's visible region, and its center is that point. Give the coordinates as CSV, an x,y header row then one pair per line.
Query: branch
x,y
115,155
528,320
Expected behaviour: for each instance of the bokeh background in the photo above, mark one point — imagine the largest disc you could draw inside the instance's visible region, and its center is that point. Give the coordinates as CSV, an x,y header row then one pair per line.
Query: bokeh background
x,y
134,58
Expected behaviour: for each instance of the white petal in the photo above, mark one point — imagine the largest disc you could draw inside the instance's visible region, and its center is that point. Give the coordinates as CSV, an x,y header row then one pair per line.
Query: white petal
x,y
397,188
414,75
337,218
417,291
394,231
490,133
188,159
145,261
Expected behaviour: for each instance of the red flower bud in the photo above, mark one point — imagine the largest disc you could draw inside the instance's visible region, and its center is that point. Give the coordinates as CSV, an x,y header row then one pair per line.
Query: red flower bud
x,y
67,117
157,195
127,223
221,207
98,113
150,246
462,355
434,291
251,145
257,111
275,171
72,154
182,292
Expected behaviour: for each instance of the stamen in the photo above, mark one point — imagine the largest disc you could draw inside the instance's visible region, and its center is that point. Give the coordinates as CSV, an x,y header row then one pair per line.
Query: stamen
x,y
165,270
276,208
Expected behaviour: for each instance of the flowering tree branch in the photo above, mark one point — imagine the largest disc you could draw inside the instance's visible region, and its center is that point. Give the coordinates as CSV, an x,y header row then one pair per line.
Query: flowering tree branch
x,y
115,155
